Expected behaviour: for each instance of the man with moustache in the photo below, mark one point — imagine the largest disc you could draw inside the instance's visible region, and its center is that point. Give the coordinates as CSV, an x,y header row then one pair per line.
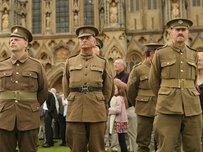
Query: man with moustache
x,y
23,88
87,84
173,78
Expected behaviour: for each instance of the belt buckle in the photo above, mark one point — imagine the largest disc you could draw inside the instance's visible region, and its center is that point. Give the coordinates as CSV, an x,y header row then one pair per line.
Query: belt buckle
x,y
182,83
84,88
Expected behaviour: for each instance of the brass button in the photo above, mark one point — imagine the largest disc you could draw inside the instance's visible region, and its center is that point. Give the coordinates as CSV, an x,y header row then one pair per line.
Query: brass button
x,y
16,101
16,81
17,64
181,70
17,73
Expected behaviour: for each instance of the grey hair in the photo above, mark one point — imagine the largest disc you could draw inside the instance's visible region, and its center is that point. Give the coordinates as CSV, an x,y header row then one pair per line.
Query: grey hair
x,y
121,61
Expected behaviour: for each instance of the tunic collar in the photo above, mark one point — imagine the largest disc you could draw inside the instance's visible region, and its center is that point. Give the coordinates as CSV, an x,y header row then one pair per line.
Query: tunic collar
x,y
22,59
178,49
86,56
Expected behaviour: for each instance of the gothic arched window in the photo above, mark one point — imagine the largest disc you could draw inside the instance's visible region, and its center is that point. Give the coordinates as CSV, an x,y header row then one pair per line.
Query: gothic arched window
x,y
62,16
134,5
152,4
88,12
36,16
196,3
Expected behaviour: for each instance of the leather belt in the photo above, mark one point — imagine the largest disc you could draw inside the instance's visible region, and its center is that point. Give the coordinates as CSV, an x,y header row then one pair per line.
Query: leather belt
x,y
178,83
85,88
18,95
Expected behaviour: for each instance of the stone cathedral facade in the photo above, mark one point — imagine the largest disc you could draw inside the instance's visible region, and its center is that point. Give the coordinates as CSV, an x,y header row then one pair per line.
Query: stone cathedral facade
x,y
125,26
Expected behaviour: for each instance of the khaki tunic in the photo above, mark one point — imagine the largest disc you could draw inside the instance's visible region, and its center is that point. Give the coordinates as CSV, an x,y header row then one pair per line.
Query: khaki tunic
x,y
172,78
23,88
139,92
92,71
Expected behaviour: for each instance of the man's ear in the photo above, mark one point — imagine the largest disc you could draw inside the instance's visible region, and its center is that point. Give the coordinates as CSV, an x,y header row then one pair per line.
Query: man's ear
x,y
26,43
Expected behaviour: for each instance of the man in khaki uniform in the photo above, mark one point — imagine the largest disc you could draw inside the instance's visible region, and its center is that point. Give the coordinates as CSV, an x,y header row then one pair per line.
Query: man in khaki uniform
x,y
140,94
173,79
23,88
87,84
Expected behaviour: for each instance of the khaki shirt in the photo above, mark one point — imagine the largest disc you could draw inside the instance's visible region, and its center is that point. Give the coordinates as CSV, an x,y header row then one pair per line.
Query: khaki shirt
x,y
23,88
138,90
92,71
173,77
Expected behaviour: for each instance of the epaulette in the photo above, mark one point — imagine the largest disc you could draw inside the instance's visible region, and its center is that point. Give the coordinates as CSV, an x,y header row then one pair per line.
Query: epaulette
x,y
164,46
36,60
101,57
4,59
191,48
73,55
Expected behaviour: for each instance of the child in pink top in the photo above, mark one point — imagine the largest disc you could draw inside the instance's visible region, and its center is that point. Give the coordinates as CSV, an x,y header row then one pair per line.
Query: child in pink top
x,y
121,119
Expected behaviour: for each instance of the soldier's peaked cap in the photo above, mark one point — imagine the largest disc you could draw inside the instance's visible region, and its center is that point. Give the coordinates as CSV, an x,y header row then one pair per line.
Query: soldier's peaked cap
x,y
87,31
152,46
179,23
19,31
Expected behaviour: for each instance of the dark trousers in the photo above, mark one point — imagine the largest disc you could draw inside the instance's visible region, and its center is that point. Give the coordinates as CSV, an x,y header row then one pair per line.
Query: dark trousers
x,y
56,128
144,132
48,127
122,142
84,136
169,128
26,140
62,124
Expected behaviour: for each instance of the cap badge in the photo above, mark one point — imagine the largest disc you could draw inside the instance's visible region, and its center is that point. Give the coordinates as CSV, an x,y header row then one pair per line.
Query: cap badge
x,y
180,22
15,31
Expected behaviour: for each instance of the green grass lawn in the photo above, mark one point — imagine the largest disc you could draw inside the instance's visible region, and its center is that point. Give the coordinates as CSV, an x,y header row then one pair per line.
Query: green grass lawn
x,y
55,148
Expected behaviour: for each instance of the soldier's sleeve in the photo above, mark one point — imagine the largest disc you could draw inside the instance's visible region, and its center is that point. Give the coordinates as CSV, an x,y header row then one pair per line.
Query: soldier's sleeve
x,y
108,89
155,74
133,86
43,86
65,80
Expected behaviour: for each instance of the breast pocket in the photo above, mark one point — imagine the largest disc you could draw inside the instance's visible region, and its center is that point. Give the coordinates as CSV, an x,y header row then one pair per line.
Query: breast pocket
x,y
6,81
75,73
29,80
168,69
96,74
192,67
